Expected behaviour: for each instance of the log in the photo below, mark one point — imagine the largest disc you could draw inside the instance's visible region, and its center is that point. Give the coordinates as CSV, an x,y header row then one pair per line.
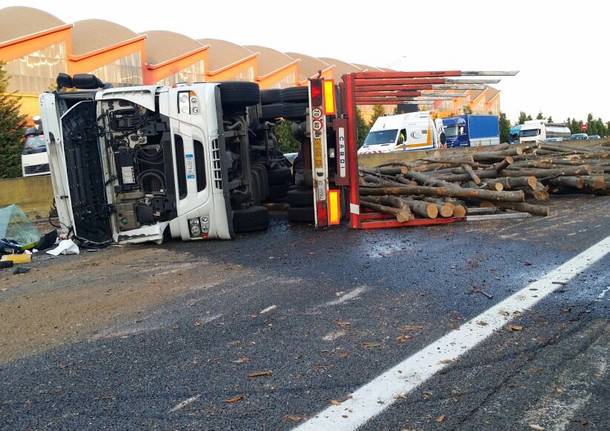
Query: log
x,y
400,214
539,210
596,183
457,192
514,182
455,160
459,211
468,169
538,173
540,193
422,209
390,201
574,182
505,163
386,170
445,209
427,180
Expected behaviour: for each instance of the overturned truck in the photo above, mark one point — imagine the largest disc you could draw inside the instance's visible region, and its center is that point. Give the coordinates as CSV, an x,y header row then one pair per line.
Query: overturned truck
x,y
145,163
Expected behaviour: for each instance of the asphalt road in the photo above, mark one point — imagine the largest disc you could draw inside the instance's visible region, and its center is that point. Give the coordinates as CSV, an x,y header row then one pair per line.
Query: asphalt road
x,y
264,332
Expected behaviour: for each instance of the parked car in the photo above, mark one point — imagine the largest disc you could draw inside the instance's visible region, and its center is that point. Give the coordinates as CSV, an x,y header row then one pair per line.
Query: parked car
x,y
594,137
579,137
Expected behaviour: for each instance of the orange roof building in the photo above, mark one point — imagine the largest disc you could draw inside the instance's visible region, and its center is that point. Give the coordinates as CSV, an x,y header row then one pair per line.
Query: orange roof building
x,y
230,62
275,69
310,67
112,52
172,58
35,46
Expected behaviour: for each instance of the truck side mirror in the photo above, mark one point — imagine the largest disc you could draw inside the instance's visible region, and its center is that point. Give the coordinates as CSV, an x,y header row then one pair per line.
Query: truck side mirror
x,y
443,138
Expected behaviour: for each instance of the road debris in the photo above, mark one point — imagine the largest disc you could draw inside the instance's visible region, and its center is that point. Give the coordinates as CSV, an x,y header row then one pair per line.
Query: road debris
x,y
440,419
241,360
515,328
235,399
268,309
482,292
256,374
293,418
536,427
184,403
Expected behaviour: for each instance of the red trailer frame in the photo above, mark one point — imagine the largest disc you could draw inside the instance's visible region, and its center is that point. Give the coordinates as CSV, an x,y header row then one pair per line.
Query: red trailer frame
x,y
387,88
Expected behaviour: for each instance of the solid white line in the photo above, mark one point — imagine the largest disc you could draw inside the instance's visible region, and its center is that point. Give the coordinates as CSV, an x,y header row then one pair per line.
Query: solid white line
x,y
381,392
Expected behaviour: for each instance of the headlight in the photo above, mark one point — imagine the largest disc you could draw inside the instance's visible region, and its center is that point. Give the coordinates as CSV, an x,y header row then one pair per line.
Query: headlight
x,y
194,227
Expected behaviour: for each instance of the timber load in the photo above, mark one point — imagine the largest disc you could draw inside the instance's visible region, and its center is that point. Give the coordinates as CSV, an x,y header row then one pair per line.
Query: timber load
x,y
500,179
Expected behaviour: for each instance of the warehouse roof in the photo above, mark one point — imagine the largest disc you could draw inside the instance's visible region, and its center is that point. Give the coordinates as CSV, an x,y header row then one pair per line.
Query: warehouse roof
x,y
269,59
94,34
341,67
367,68
20,21
222,53
309,66
164,46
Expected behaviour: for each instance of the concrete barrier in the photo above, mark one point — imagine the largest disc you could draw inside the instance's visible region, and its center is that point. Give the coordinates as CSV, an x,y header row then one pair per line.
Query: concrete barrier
x,y
34,195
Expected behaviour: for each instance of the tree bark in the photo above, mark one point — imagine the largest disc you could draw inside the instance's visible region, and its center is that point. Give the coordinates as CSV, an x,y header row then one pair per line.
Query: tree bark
x,y
400,214
422,209
457,192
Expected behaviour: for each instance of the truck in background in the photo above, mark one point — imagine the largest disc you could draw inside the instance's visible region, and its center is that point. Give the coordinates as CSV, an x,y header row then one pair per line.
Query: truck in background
x,y
472,130
402,132
34,157
537,131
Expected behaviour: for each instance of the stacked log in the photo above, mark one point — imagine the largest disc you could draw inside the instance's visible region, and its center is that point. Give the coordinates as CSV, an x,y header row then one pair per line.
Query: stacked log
x,y
502,177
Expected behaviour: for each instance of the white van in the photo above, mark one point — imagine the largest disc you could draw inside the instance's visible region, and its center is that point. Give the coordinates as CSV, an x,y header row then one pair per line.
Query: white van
x,y
537,131
402,132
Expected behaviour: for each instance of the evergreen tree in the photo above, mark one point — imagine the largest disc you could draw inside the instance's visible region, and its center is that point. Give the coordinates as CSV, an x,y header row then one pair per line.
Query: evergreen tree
x,y
11,130
550,119
286,140
378,111
522,117
362,127
504,128
540,116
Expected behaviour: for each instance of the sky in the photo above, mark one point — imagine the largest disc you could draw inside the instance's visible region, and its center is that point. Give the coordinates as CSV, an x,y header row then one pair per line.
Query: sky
x,y
560,47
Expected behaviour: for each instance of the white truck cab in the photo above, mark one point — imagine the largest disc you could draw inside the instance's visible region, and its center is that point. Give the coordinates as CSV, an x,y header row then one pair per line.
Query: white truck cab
x,y
135,164
538,131
402,132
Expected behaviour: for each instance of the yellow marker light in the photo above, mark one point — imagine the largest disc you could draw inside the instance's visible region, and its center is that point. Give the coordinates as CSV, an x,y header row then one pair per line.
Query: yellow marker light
x,y
334,207
329,97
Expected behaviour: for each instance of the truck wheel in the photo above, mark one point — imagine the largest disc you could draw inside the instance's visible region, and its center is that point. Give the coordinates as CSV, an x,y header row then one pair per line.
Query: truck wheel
x,y
300,198
253,219
278,191
236,95
301,215
264,180
270,96
257,186
273,111
295,94
280,176
295,111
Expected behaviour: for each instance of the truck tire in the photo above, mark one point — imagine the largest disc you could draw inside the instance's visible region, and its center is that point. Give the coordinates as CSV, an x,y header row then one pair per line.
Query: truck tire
x,y
295,94
280,176
270,96
300,198
295,111
264,180
236,95
273,111
253,219
277,191
301,215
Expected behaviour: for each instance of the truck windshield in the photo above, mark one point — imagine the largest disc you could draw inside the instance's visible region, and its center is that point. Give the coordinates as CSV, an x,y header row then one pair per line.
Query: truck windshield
x,y
529,133
451,131
381,137
34,144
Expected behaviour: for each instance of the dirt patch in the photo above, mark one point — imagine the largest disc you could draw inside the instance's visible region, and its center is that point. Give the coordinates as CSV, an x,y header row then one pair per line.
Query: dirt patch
x,y
68,299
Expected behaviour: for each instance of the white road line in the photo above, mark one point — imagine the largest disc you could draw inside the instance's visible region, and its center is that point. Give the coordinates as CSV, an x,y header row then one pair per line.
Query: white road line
x,y
184,403
377,395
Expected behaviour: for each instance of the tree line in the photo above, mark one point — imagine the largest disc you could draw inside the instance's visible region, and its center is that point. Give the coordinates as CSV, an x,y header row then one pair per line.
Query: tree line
x,y
595,126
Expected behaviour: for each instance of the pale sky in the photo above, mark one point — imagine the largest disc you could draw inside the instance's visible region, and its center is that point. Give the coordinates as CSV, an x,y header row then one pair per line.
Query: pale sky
x,y
560,47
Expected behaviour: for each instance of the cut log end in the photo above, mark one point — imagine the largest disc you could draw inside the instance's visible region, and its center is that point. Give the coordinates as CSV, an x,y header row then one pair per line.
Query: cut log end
x,y
432,211
459,211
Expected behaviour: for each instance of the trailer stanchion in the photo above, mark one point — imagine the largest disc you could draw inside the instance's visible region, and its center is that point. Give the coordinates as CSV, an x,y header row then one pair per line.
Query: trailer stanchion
x,y
352,152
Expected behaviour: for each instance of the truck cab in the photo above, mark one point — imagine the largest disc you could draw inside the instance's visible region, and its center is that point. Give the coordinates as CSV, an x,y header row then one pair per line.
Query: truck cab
x,y
402,132
136,164
472,130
